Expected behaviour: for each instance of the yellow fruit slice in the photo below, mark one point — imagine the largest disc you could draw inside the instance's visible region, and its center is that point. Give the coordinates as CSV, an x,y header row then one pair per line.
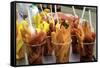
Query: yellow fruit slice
x,y
47,10
45,26
38,30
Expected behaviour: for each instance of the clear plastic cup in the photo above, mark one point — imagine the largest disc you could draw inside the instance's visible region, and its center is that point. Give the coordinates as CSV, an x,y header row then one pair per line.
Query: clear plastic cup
x,y
62,51
86,51
35,53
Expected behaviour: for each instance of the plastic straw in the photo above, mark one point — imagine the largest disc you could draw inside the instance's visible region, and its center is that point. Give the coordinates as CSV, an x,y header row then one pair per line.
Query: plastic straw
x,y
90,20
26,56
42,10
30,22
51,10
74,11
41,7
55,10
57,15
82,16
83,12
52,14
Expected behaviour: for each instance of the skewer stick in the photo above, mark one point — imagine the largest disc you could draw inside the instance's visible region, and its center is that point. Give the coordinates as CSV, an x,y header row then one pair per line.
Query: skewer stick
x,y
90,20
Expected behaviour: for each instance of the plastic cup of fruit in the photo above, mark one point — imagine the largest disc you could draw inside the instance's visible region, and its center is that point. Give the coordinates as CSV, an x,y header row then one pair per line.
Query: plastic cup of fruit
x,y
86,52
62,51
35,53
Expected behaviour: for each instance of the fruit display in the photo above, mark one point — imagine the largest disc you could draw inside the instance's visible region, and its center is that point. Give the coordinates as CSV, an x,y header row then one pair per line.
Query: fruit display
x,y
46,34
